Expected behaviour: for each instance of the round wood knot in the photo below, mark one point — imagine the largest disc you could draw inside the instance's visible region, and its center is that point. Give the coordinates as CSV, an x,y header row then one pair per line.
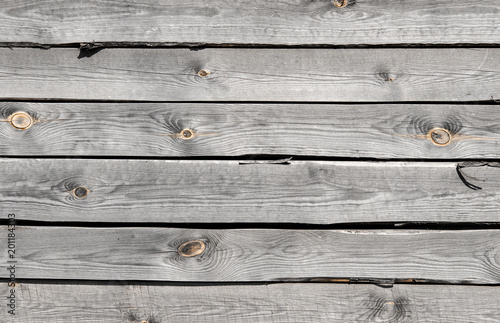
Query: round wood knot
x,y
191,248
340,3
80,192
440,136
187,134
203,73
21,120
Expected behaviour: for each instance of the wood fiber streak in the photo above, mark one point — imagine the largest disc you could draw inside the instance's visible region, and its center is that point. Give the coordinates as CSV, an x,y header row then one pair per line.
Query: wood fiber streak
x,y
283,22
227,192
153,129
124,303
251,255
239,74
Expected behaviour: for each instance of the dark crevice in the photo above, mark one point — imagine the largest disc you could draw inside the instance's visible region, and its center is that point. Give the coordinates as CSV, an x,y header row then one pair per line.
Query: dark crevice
x,y
400,225
381,282
202,45
489,101
269,159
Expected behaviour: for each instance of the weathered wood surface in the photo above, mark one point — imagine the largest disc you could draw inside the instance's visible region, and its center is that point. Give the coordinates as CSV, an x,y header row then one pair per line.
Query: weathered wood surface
x,y
238,74
247,255
155,129
288,22
124,303
228,192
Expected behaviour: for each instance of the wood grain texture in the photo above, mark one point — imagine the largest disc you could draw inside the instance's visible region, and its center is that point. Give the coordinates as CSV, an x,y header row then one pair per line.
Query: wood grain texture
x,y
246,74
124,303
227,192
154,129
251,255
284,22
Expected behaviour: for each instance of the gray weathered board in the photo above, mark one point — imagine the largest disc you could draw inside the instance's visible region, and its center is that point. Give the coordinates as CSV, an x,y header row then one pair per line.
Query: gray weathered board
x,y
207,191
256,255
250,74
336,130
283,22
119,302
151,181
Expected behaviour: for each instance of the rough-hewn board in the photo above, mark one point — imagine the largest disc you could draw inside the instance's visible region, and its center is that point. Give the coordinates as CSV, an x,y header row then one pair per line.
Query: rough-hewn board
x,y
82,303
224,191
236,74
251,22
255,254
154,129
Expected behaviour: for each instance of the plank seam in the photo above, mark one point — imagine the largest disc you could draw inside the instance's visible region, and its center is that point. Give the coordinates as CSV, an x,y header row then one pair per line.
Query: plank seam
x,y
368,226
266,159
491,101
202,45
384,283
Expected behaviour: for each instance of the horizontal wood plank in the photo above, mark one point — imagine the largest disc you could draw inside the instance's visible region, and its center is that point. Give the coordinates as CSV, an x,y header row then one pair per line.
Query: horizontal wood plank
x,y
84,303
228,192
251,255
156,130
239,74
284,22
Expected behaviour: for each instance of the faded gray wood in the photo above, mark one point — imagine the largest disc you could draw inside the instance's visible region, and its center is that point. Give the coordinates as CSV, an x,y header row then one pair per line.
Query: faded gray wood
x,y
155,129
239,74
227,192
246,255
67,302
289,22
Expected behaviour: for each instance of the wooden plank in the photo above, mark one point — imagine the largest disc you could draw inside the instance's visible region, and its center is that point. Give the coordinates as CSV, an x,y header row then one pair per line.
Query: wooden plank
x,y
57,302
287,22
254,255
239,74
227,192
155,129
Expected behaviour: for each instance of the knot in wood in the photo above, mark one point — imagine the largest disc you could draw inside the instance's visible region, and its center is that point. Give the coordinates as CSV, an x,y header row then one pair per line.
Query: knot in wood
x,y
80,192
21,120
440,136
203,73
340,3
191,248
187,134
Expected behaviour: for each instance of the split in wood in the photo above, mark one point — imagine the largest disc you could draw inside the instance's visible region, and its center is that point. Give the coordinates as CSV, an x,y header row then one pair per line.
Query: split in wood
x,y
80,192
203,73
191,248
21,120
440,136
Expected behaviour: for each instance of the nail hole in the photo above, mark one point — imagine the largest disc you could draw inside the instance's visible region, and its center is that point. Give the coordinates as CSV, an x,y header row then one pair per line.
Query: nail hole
x,y
21,120
80,192
440,136
203,73
187,134
191,248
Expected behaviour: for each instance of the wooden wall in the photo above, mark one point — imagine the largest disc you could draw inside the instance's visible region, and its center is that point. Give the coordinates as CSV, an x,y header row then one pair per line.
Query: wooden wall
x,y
250,161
